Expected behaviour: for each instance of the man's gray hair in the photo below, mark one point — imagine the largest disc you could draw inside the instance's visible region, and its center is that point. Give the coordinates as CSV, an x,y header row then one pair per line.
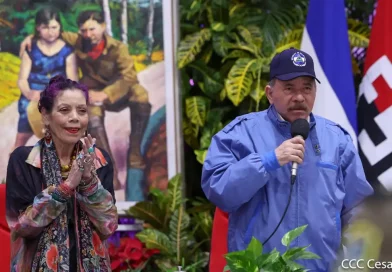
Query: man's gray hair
x,y
272,82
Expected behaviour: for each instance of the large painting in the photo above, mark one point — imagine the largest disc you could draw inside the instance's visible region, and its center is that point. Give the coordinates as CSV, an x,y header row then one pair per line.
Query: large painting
x,y
115,47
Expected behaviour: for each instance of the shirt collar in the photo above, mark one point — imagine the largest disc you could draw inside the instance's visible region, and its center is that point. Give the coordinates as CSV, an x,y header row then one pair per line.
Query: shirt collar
x,y
34,157
281,118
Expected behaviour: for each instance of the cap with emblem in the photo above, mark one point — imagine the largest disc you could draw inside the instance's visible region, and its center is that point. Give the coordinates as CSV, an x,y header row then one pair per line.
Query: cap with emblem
x,y
292,63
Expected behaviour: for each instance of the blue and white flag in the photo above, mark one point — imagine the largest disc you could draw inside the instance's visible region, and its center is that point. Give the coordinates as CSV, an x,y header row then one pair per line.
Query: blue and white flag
x,y
325,38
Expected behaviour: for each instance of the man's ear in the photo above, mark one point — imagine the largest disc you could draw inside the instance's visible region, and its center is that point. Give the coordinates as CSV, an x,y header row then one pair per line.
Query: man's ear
x,y
268,92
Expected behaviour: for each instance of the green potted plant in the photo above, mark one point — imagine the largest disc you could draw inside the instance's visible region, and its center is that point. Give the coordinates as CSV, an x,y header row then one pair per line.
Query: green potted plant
x,y
179,228
253,259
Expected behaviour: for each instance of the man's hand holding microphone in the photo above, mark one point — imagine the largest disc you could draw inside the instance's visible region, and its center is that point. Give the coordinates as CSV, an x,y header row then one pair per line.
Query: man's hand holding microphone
x,y
291,150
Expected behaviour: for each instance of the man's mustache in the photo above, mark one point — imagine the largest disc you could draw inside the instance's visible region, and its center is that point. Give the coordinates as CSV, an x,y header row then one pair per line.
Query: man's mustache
x,y
298,107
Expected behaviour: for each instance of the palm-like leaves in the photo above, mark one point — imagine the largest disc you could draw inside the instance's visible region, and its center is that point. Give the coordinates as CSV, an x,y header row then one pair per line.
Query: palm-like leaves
x,y
291,38
169,227
174,193
191,46
149,212
239,80
156,239
179,234
245,36
358,33
196,109
210,80
228,59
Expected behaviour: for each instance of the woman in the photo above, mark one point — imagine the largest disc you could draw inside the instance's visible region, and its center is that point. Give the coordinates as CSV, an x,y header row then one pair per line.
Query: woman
x,y
49,56
60,197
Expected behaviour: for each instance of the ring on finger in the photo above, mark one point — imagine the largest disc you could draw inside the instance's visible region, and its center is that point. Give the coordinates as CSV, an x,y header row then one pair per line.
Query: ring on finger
x,y
80,165
88,160
80,156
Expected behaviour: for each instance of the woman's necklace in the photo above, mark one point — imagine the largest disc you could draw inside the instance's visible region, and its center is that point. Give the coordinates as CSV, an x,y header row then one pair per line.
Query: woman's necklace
x,y
67,167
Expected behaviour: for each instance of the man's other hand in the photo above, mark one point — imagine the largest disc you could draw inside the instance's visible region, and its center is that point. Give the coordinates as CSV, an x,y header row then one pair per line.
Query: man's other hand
x,y
25,45
97,96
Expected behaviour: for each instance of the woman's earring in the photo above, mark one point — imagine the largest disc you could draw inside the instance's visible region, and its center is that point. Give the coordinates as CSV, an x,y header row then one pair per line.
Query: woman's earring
x,y
48,137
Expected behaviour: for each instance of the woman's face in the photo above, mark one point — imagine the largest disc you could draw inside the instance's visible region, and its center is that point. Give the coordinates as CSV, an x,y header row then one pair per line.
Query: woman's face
x,y
49,32
69,117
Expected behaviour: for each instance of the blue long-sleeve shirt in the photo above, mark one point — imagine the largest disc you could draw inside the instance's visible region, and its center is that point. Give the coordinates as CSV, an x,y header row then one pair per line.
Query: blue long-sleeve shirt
x,y
242,176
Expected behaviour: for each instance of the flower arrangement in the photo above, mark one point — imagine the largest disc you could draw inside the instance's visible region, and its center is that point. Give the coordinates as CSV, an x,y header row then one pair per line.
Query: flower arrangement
x,y
130,255
179,227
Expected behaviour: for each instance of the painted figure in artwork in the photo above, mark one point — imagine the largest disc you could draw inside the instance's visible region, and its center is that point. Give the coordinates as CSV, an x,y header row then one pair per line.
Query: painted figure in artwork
x,y
108,71
49,55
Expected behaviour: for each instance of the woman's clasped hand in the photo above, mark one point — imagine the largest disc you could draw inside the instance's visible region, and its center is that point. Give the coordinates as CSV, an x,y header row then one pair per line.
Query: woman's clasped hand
x,y
83,167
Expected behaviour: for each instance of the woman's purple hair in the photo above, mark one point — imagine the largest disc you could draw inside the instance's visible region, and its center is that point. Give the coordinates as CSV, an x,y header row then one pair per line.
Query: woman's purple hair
x,y
56,85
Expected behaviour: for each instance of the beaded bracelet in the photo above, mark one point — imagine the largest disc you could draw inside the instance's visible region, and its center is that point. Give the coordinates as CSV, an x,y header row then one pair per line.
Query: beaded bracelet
x,y
88,189
66,190
62,193
86,182
92,189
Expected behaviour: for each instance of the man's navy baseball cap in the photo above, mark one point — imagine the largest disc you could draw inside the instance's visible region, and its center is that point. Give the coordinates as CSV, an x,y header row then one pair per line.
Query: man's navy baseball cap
x,y
292,63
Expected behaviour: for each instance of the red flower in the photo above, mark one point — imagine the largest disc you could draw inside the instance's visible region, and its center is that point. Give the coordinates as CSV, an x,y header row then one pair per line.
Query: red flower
x,y
118,265
132,243
113,250
52,256
130,252
147,253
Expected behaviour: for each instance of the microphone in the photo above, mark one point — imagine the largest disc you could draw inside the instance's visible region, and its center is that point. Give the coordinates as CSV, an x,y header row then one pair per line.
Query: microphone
x,y
299,128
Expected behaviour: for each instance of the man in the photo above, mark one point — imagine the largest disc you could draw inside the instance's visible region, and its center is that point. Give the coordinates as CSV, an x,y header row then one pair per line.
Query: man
x,y
109,73
247,169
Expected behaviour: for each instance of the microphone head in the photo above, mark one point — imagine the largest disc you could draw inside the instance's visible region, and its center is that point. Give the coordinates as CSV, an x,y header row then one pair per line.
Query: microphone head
x,y
300,127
